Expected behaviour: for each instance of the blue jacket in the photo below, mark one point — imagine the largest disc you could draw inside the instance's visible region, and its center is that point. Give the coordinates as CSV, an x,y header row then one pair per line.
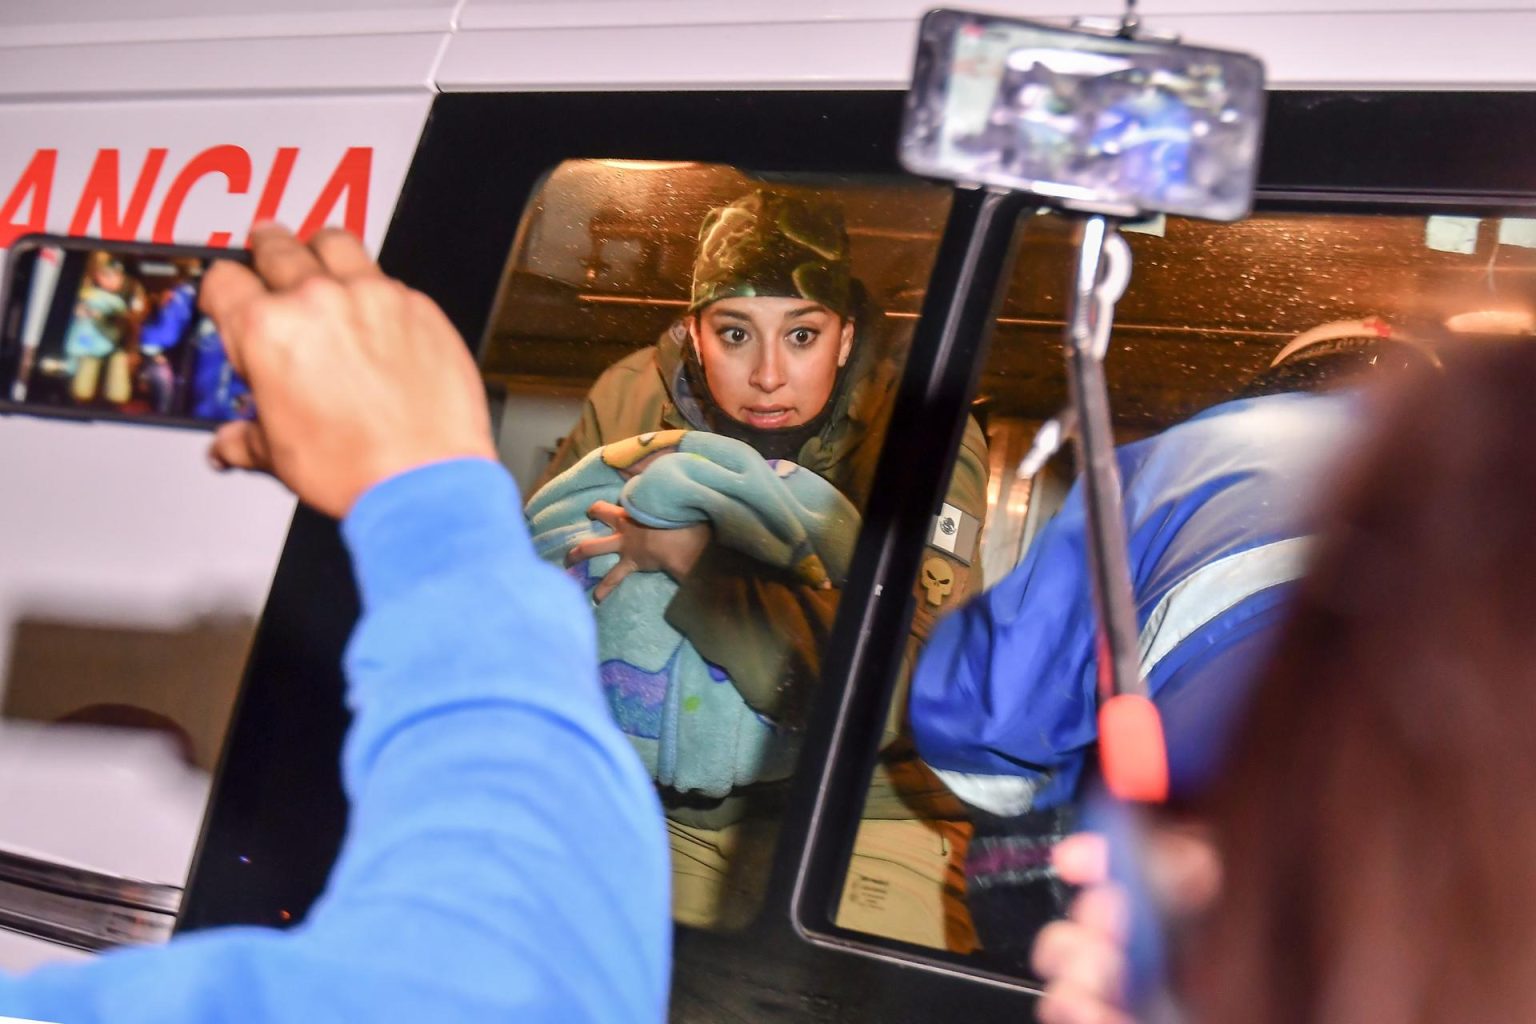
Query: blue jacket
x,y
163,331
1004,701
504,859
217,390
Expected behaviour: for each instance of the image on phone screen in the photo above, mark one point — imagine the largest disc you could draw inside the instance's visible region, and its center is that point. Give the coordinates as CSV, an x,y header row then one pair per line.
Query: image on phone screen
x,y
118,334
1093,123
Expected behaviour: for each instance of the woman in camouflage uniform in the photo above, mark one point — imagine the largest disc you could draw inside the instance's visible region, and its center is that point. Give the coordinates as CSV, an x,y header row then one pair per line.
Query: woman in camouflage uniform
x,y
778,349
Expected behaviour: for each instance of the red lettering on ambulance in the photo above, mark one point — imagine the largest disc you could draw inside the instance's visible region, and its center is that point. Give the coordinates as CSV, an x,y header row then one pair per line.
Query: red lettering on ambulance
x,y
349,178
277,182
35,182
101,193
100,205
231,161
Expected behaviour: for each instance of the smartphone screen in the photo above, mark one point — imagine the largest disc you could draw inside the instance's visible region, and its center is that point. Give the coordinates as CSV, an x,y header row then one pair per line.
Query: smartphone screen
x,y
1093,123
98,330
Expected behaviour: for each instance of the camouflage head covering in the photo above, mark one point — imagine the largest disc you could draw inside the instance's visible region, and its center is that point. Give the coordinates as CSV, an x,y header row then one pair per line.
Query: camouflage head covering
x,y
773,244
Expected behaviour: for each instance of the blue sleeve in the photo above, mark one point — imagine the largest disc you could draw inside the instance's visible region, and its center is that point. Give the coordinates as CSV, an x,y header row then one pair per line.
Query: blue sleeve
x,y
1203,689
163,331
505,858
1006,685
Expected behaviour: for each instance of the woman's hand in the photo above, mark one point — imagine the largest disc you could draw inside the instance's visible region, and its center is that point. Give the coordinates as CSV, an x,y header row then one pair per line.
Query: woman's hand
x,y
1083,960
356,378
640,548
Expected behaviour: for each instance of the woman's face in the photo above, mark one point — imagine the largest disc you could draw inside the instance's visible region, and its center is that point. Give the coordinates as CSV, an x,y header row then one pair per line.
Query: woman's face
x,y
108,277
771,362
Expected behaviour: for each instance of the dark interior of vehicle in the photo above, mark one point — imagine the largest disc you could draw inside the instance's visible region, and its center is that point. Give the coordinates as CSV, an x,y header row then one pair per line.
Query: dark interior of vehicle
x,y
611,243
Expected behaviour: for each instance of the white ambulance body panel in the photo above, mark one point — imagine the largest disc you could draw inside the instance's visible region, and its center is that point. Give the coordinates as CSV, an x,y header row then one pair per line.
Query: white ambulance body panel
x,y
187,120
184,122
852,44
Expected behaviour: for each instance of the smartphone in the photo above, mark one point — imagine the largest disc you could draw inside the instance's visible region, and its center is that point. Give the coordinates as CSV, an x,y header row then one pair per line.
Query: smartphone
x,y
1088,122
91,329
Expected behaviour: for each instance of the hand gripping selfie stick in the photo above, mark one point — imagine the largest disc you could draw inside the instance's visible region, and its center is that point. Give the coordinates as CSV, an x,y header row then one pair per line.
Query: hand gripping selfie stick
x,y
1101,126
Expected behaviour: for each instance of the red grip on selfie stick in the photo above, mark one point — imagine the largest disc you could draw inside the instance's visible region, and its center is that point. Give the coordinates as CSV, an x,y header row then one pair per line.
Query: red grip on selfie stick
x,y
1132,753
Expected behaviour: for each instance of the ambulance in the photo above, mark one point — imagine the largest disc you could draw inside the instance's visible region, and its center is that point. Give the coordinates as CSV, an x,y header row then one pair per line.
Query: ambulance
x,y
170,638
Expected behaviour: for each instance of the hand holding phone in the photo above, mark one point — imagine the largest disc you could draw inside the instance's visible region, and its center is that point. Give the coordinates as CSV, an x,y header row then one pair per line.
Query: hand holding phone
x,y
356,377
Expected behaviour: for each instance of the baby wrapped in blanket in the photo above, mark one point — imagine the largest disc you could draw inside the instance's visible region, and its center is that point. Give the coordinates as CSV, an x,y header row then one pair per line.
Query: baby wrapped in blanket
x,y
692,728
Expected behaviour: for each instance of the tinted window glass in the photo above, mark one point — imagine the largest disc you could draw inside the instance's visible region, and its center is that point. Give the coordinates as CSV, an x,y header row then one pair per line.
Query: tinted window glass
x,y
692,367
1010,703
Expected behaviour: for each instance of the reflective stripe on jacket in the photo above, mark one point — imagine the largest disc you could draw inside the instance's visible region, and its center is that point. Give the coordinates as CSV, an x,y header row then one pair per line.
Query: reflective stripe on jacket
x,y
1004,699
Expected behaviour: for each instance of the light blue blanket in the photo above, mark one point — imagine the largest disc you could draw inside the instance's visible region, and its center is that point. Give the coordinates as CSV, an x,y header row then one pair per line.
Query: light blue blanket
x,y
692,728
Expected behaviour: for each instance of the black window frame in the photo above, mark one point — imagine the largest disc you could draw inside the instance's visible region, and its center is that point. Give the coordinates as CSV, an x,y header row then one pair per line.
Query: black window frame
x,y
277,813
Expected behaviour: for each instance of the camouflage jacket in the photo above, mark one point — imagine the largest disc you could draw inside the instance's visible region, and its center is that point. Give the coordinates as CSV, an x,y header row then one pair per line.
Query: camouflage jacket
x,y
768,631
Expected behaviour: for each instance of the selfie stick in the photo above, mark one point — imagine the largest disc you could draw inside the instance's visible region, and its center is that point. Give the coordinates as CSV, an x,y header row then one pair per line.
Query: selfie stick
x,y
1129,128
1132,754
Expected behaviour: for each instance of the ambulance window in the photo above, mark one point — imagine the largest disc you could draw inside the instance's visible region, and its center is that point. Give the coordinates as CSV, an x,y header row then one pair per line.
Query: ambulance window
x,y
690,365
1208,309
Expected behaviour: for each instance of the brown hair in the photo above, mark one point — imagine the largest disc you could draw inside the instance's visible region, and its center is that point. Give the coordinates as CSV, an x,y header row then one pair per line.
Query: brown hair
x,y
1378,820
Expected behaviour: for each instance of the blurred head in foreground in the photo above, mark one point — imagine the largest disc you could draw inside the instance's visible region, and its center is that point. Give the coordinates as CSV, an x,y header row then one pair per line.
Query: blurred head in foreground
x,y
1375,821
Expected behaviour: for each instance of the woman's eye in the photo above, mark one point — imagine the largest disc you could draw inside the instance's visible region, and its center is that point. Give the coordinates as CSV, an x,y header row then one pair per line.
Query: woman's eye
x,y
802,336
734,336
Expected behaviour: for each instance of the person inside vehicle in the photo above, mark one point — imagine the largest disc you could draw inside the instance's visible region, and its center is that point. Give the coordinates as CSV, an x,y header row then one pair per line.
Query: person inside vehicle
x,y
780,357
504,857
1218,514
101,337
175,308
1366,846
